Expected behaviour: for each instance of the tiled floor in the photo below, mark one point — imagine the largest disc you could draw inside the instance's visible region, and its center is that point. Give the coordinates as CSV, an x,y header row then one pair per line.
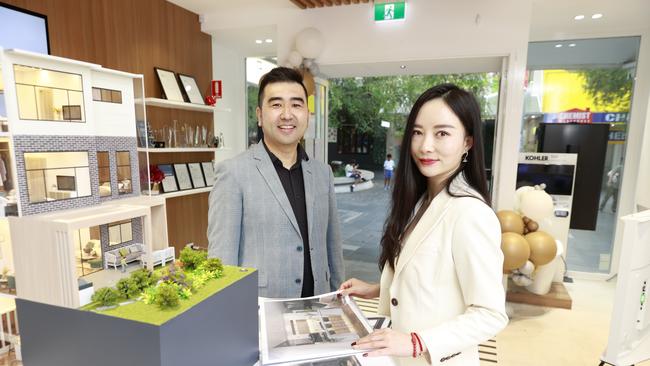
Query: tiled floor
x,y
585,247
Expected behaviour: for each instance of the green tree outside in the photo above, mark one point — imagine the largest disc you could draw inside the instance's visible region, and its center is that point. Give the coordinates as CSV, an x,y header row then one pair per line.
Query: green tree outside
x,y
365,102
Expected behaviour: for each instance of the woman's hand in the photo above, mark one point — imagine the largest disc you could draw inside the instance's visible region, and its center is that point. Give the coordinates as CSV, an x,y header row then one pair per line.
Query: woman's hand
x,y
386,342
354,287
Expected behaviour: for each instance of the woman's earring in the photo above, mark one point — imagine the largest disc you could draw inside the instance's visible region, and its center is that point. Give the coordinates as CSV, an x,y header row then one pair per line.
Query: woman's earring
x,y
465,156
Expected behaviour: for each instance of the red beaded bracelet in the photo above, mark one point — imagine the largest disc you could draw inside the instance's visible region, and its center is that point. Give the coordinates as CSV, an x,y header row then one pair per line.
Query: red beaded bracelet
x,y
413,341
419,342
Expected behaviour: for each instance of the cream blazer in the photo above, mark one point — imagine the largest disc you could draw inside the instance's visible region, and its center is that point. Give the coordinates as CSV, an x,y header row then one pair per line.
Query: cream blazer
x,y
447,283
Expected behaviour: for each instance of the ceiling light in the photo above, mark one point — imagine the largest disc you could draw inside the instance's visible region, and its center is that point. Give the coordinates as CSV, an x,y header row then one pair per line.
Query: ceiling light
x,y
402,67
572,44
579,17
558,45
258,41
269,40
596,16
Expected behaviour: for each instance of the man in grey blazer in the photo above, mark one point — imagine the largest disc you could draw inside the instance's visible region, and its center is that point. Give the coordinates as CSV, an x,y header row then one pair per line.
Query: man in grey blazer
x,y
272,207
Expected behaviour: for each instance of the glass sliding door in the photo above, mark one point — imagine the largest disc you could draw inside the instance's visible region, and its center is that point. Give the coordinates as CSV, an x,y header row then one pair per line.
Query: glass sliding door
x,y
584,85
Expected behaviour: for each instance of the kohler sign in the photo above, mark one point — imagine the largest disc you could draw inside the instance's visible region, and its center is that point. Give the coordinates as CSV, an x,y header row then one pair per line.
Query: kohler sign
x,y
536,157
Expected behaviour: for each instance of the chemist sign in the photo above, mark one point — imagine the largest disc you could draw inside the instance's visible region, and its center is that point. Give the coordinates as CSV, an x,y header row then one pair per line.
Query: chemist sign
x,y
389,10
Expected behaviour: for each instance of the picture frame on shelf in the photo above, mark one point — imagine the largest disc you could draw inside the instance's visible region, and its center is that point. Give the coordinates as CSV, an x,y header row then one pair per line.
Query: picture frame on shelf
x,y
208,172
170,86
169,184
190,89
183,176
196,174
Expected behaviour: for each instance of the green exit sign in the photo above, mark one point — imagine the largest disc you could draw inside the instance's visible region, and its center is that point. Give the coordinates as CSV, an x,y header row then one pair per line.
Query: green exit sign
x,y
393,10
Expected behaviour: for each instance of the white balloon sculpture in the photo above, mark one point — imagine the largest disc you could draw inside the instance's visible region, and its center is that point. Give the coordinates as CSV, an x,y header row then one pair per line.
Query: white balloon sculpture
x,y
295,59
309,45
310,42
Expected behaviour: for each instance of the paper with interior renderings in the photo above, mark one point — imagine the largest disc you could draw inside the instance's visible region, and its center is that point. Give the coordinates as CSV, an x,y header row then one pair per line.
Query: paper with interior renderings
x,y
309,329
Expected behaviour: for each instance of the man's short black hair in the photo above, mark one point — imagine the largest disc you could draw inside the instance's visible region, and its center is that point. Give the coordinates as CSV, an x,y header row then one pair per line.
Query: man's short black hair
x,y
389,155
279,75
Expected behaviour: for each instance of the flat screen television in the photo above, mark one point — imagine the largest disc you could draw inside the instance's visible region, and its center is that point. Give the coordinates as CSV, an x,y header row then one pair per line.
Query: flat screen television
x,y
558,178
65,183
23,29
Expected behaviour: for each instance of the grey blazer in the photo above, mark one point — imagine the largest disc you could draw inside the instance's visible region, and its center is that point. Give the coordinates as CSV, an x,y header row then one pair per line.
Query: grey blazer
x,y
251,223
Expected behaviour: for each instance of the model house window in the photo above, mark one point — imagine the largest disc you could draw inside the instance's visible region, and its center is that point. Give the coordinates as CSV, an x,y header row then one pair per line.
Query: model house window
x,y
49,95
104,170
55,176
88,250
107,95
120,232
124,172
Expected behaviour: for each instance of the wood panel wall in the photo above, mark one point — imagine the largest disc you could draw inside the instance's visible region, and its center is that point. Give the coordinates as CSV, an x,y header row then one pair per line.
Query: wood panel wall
x,y
128,35
136,36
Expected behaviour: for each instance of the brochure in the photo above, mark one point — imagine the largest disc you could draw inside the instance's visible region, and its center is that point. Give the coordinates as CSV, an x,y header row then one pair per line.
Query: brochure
x,y
308,329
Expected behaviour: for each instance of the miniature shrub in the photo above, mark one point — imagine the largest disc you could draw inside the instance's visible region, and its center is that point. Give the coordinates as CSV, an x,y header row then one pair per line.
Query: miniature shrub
x,y
144,278
149,295
192,258
199,278
128,288
174,275
213,265
106,296
212,268
167,296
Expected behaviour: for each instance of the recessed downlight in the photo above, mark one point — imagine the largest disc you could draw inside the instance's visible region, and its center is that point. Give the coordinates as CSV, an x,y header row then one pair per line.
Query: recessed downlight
x,y
597,16
559,45
579,17
572,44
268,40
258,41
402,67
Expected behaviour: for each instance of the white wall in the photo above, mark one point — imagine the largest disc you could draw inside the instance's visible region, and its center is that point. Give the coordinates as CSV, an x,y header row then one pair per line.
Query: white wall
x,y
6,252
432,31
100,119
113,119
230,67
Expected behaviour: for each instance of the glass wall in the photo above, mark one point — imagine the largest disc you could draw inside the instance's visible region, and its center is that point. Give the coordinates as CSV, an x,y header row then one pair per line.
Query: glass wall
x,y
255,68
585,86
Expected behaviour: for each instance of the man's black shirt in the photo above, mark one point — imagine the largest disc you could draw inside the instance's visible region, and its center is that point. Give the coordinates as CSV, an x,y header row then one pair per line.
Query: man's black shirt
x,y
294,187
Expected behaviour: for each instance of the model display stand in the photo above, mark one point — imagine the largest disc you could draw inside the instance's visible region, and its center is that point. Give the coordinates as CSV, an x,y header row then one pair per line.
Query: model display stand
x,y
219,330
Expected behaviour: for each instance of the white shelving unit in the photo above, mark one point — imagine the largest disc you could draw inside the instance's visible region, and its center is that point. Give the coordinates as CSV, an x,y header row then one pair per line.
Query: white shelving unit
x,y
154,150
164,103
186,192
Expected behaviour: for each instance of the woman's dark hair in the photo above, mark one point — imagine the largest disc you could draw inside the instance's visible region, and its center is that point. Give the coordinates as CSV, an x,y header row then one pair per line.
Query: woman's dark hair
x,y
410,184
279,75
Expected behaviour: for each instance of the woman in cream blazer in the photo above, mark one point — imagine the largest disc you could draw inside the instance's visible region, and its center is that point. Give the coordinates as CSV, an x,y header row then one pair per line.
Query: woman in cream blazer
x,y
441,259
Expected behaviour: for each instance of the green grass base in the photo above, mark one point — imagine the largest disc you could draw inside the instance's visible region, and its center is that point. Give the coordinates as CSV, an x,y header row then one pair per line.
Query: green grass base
x,y
152,314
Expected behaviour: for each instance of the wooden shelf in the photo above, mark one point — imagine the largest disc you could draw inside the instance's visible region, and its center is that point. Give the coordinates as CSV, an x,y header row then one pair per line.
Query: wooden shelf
x,y
185,192
154,150
164,103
